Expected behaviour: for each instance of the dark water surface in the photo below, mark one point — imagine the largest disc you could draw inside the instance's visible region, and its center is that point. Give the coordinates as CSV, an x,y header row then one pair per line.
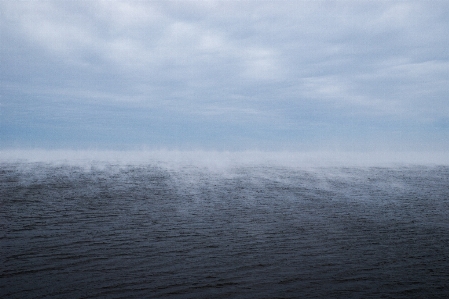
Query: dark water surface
x,y
114,231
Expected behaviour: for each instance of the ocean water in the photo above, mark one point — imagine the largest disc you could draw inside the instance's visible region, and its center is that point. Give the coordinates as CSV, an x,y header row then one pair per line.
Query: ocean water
x,y
148,230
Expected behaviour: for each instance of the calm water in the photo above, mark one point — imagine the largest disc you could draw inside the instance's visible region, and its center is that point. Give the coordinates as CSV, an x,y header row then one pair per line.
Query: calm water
x,y
115,231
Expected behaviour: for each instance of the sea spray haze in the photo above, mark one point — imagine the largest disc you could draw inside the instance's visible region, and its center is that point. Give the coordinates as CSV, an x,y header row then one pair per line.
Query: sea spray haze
x,y
221,225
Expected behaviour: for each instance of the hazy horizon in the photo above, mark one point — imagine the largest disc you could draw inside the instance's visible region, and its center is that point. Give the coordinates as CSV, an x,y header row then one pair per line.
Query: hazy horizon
x,y
222,160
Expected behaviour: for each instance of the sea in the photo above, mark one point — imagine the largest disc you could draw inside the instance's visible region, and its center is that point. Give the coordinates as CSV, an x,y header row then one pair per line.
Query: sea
x,y
178,228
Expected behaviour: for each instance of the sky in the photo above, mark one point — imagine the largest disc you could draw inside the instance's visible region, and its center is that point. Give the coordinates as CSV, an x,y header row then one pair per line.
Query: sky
x,y
225,75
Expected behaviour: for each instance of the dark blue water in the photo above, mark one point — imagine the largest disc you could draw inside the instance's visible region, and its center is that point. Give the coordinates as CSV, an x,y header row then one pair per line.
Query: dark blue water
x,y
114,231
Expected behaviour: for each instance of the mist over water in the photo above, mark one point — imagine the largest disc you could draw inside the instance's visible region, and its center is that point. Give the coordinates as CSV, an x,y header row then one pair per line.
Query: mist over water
x,y
221,225
225,159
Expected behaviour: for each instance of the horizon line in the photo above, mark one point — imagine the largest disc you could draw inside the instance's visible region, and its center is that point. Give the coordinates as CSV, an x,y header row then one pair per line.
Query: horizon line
x,y
229,157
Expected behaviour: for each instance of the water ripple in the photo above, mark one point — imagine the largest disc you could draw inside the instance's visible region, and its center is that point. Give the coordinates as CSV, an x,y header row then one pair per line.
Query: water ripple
x,y
264,232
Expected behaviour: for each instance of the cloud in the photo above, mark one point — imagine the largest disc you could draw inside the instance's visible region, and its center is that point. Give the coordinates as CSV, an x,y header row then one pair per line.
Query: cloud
x,y
287,64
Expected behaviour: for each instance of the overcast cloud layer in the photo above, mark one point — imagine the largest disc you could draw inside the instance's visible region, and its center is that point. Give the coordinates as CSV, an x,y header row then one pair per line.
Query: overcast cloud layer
x,y
225,75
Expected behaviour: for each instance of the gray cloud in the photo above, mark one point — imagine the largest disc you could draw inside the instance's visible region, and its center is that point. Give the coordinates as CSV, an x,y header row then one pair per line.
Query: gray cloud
x,y
287,64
